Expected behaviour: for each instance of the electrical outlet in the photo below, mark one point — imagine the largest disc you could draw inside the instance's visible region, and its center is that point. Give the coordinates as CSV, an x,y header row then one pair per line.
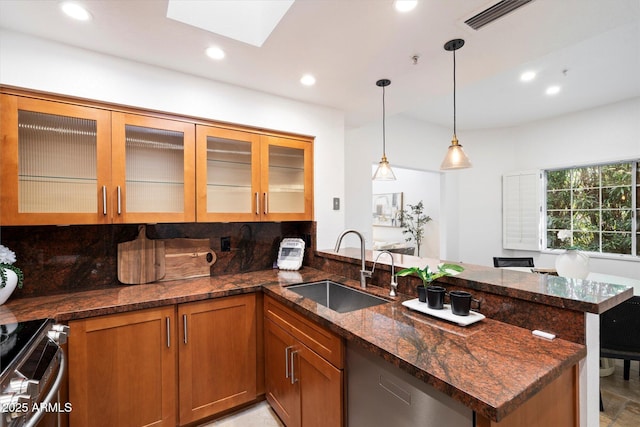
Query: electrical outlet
x,y
225,244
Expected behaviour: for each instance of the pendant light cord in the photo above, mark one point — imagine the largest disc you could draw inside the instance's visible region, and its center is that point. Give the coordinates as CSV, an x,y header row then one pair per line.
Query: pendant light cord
x,y
384,132
454,92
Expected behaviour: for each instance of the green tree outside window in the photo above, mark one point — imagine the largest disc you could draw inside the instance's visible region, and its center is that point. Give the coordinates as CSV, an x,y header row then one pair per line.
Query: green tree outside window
x,y
592,208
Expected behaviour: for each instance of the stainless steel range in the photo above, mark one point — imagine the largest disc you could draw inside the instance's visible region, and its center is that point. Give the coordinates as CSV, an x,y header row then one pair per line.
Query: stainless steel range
x,y
32,367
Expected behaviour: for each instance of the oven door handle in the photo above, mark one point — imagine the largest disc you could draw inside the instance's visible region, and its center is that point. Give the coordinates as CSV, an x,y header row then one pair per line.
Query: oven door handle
x,y
53,391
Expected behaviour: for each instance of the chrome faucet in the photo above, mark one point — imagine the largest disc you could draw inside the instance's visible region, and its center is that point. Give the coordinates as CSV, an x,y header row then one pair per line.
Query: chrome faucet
x,y
363,271
394,284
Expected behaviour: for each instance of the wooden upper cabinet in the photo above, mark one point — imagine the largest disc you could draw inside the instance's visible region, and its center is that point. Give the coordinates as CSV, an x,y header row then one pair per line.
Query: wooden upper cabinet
x,y
55,163
244,176
153,166
286,179
228,174
65,162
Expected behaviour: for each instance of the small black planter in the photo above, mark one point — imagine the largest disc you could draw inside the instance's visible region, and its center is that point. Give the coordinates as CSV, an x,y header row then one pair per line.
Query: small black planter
x,y
422,293
435,297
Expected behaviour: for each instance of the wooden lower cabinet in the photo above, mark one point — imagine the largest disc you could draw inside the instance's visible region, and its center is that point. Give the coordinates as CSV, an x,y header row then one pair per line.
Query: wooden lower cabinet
x,y
167,366
122,369
282,394
556,404
217,355
303,388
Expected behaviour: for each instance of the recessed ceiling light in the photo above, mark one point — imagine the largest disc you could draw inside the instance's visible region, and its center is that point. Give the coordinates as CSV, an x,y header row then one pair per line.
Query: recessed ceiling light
x,y
552,90
405,5
214,52
75,11
527,76
308,80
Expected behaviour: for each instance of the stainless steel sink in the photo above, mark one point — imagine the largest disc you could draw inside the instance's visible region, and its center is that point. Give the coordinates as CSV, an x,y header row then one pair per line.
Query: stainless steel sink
x,y
336,296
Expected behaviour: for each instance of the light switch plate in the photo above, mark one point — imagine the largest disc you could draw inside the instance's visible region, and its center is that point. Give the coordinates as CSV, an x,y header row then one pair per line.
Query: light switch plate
x,y
336,203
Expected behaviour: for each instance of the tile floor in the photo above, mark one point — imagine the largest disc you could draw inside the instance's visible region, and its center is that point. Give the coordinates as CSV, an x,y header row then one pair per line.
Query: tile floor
x,y
621,398
621,402
258,415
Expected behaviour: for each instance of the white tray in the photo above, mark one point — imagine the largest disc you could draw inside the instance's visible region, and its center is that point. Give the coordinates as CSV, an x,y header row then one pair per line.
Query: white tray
x,y
445,313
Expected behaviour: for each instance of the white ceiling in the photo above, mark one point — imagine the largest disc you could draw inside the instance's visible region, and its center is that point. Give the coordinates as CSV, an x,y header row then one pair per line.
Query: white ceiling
x,y
350,44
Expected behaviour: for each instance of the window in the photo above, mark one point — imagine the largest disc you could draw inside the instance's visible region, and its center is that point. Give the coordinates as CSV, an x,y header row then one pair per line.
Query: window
x,y
594,208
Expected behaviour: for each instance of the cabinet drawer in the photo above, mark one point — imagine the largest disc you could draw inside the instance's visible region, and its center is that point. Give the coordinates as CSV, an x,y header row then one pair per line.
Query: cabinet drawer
x,y
322,341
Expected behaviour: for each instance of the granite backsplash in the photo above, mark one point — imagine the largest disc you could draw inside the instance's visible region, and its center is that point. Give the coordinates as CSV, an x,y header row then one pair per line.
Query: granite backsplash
x,y
60,259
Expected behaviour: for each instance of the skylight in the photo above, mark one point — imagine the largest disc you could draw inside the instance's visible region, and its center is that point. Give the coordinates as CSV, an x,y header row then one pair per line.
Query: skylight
x,y
248,21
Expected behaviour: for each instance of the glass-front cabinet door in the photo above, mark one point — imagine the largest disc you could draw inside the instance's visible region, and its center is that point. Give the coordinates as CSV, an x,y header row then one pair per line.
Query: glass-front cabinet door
x,y
153,164
228,175
286,179
245,176
64,163
55,163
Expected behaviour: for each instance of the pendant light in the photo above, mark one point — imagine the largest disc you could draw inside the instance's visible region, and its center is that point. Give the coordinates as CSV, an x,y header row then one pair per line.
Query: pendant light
x,y
384,172
455,158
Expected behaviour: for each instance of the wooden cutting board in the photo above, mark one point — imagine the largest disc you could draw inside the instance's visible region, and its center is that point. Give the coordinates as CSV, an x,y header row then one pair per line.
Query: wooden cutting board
x,y
186,258
141,260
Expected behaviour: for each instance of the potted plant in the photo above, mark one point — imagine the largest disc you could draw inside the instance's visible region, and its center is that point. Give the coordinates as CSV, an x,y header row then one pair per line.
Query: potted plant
x,y
413,221
10,275
427,292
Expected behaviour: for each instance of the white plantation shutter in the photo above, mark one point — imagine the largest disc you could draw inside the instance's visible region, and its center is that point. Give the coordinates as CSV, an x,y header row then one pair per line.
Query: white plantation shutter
x,y
521,210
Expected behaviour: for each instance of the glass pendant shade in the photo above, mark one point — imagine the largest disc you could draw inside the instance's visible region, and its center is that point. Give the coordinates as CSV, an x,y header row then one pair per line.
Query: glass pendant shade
x,y
384,172
455,158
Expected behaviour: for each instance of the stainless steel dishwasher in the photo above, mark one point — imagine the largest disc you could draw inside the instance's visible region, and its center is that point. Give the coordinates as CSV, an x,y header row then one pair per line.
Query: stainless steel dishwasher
x,y
380,394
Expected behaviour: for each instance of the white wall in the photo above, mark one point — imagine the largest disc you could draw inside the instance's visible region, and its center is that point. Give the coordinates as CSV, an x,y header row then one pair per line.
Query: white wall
x,y
411,144
33,63
603,134
471,215
415,186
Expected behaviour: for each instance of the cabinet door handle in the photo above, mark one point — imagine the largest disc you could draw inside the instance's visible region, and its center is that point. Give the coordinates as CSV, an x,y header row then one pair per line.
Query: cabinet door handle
x,y
104,200
257,203
266,204
184,324
286,361
293,372
119,201
168,332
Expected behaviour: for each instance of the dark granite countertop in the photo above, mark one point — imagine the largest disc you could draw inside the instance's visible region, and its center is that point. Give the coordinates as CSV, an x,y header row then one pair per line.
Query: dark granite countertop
x,y
492,367
123,298
572,294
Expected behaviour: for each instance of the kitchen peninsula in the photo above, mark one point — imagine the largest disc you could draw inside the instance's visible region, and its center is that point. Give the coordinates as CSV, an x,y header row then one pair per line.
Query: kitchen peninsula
x,y
494,367
569,308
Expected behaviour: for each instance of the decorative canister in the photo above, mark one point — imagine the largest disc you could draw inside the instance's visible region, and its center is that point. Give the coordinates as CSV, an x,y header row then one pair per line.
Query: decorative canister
x,y
573,263
10,285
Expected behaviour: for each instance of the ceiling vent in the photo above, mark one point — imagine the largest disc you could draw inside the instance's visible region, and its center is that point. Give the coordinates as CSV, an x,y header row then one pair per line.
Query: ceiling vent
x,y
496,11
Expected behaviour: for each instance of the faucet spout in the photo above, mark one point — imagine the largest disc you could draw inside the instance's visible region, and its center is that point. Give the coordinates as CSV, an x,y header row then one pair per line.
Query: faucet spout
x,y
394,284
364,274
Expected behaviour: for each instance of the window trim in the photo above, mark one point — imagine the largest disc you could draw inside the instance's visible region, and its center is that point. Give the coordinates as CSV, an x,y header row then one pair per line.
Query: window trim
x,y
635,207
542,213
